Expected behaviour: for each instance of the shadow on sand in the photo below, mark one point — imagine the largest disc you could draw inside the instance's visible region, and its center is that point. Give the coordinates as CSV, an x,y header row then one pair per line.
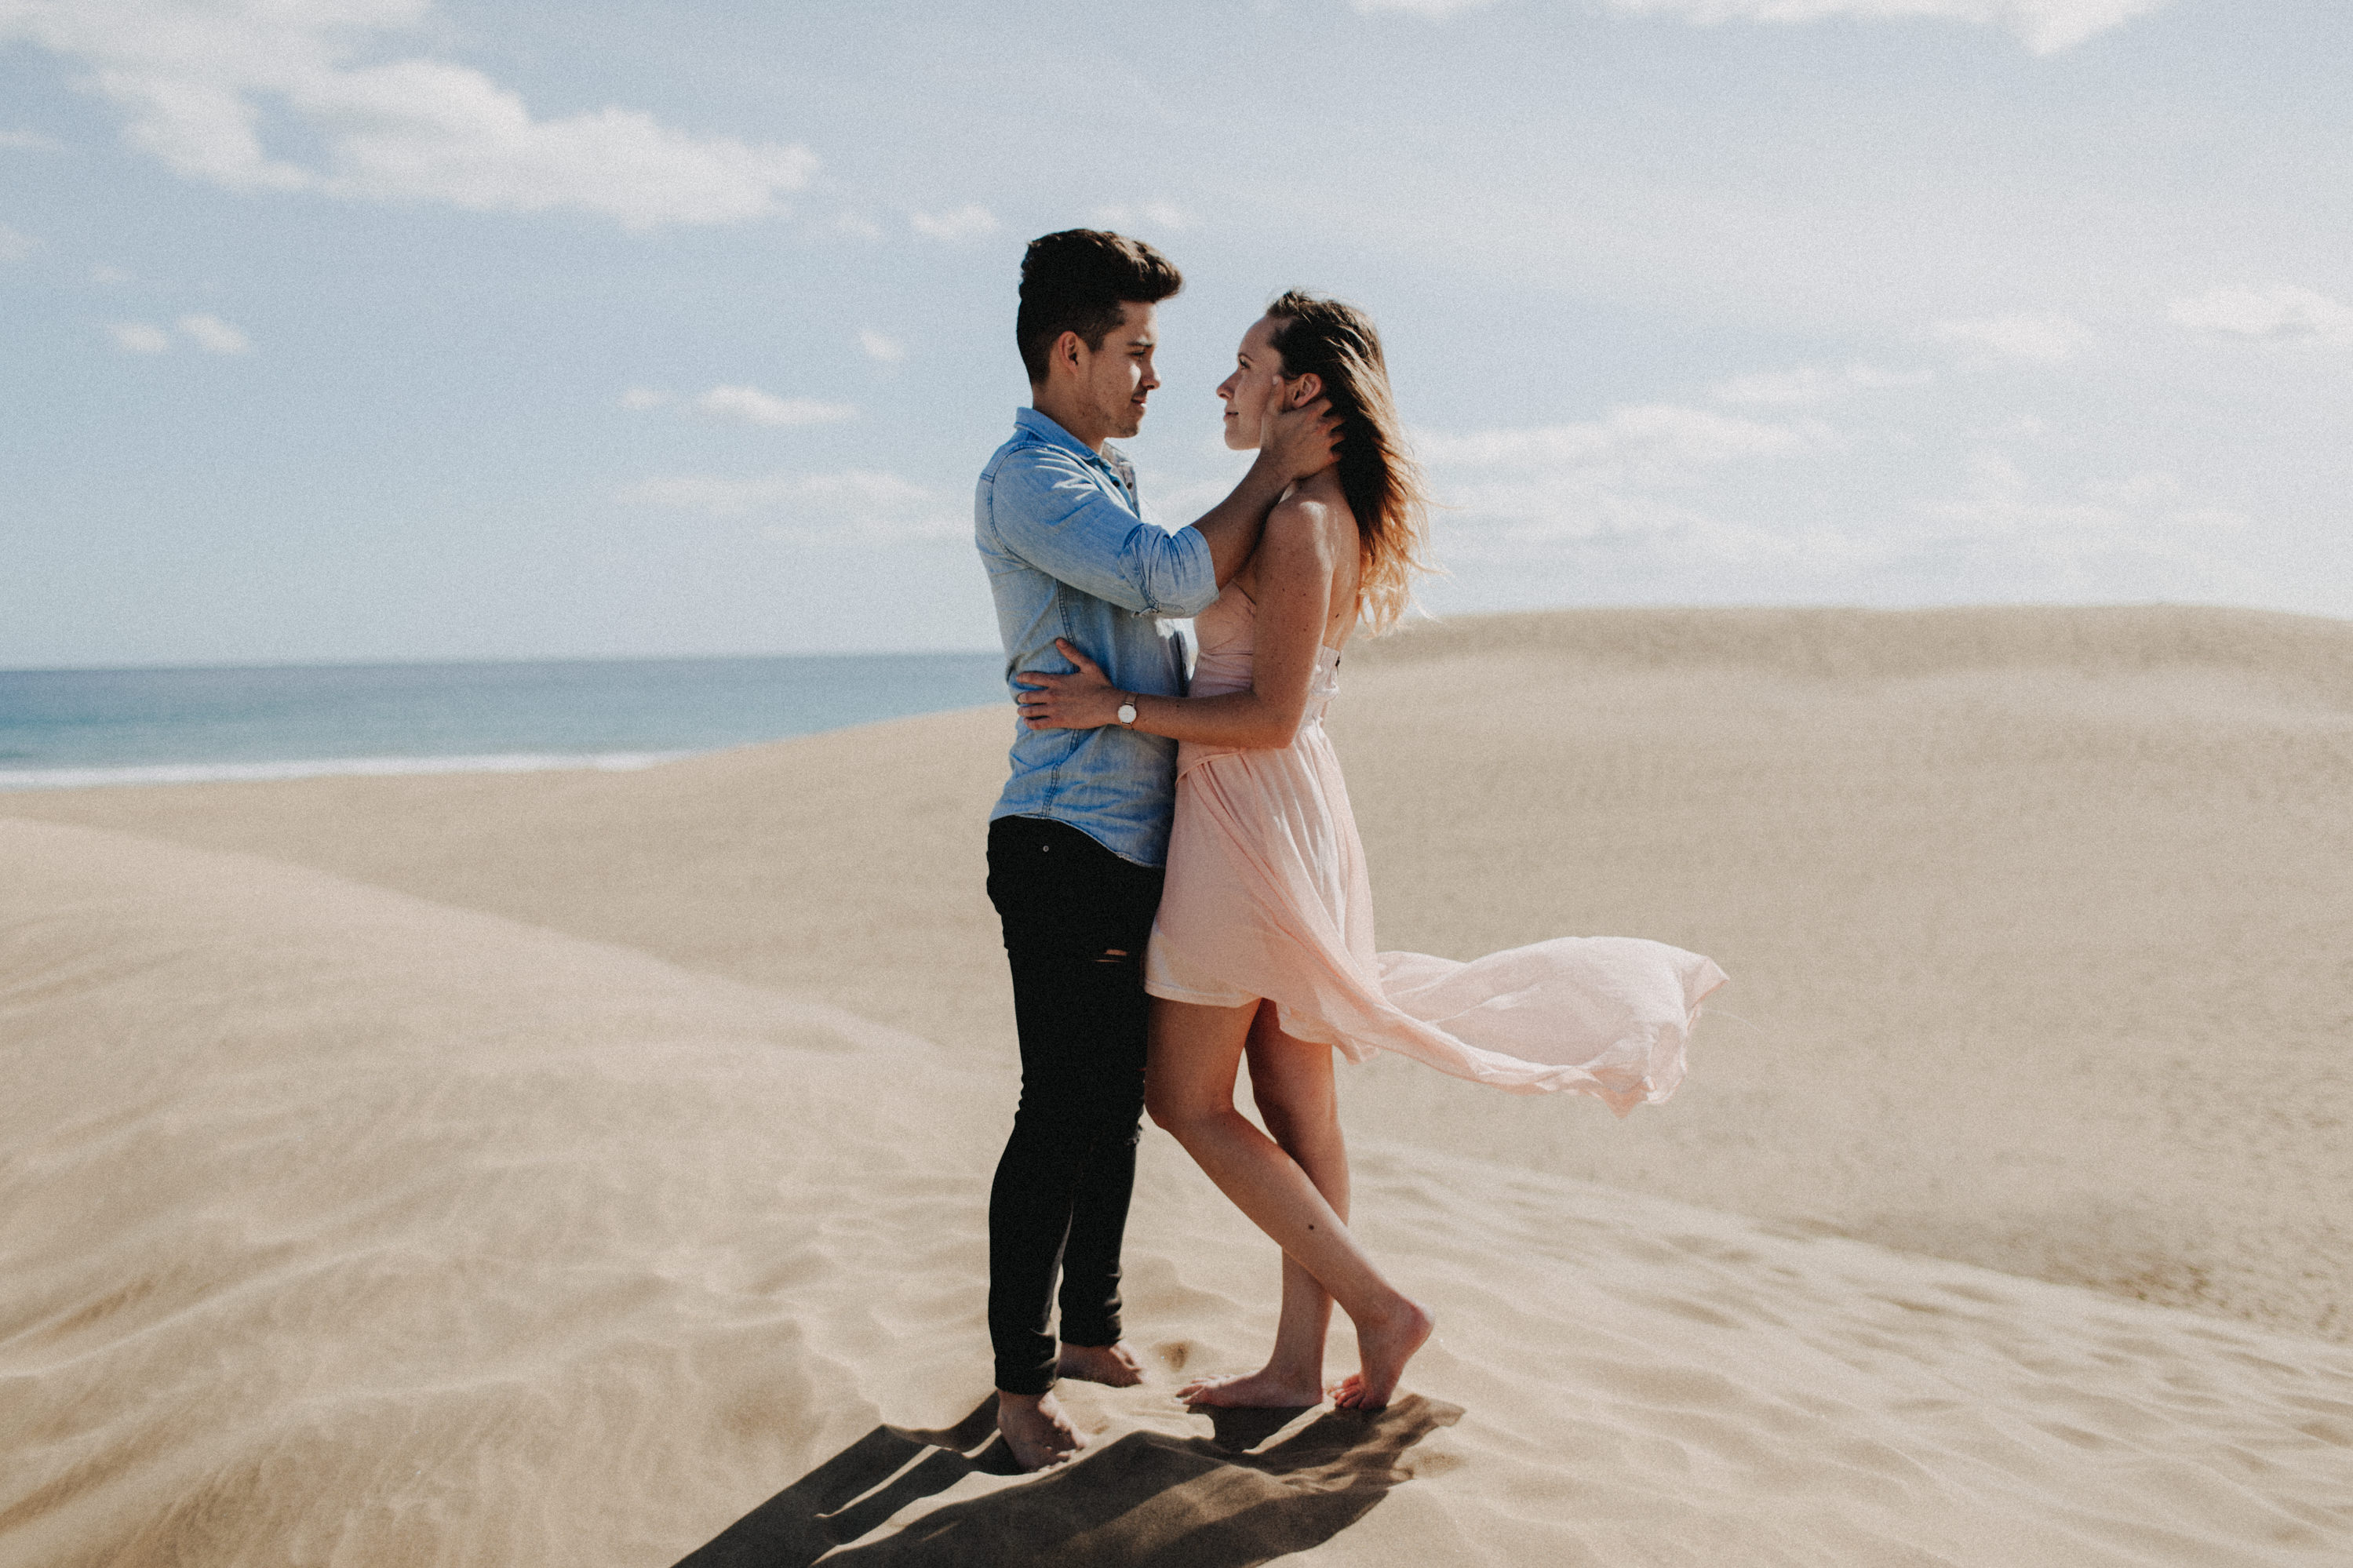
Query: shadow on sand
x,y
1146,1499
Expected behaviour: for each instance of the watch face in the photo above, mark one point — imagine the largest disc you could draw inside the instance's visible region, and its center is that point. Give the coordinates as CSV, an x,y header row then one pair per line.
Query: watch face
x,y
1127,712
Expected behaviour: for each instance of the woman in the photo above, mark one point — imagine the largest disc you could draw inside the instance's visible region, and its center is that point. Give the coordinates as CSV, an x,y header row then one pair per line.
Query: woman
x,y
1263,945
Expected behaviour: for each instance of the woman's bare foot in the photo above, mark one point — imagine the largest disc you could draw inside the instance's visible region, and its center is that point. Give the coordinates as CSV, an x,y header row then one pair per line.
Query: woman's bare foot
x,y
1385,1345
1264,1390
1034,1430
1114,1364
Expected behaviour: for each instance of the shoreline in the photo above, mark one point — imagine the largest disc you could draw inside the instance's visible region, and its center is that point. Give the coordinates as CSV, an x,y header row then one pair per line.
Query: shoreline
x,y
326,767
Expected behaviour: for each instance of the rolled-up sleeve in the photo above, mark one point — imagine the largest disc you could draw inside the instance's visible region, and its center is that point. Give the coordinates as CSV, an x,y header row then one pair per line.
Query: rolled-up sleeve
x,y
1049,510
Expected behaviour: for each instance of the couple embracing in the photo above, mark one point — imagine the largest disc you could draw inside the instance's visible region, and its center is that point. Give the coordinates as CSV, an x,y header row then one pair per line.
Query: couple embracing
x,y
1174,860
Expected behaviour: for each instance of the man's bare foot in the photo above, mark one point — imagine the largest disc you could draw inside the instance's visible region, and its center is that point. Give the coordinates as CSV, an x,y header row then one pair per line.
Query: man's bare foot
x,y
1385,1345
1033,1428
1114,1364
1266,1389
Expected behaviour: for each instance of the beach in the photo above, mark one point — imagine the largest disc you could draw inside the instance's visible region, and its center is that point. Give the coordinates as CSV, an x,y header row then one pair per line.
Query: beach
x,y
558,1166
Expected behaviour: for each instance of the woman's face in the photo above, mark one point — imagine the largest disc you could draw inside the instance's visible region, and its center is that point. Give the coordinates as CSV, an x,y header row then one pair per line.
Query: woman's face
x,y
1251,392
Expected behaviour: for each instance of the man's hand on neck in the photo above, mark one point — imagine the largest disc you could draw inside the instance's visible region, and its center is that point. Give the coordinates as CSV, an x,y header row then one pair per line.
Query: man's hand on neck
x,y
1304,440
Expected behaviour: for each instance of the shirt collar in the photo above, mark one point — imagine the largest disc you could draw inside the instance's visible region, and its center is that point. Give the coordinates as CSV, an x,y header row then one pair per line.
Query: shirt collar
x,y
1047,430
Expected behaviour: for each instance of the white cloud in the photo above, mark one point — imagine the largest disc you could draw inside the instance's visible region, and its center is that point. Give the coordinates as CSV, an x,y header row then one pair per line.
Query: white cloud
x,y
1151,214
2281,314
2001,497
196,80
751,406
888,350
1671,504
746,406
139,337
1172,501
856,505
1811,384
1652,440
104,273
967,222
29,141
14,246
215,336
1435,10
2045,26
2105,532
1612,476
2044,339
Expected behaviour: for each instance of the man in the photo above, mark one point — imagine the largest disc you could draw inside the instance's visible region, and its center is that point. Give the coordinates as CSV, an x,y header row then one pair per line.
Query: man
x,y
1078,840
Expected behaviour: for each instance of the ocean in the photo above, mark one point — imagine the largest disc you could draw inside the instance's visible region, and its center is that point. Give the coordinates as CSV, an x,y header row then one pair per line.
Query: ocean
x,y
63,728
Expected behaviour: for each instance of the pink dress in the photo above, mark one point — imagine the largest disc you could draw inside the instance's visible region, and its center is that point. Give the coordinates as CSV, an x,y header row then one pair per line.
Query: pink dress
x,y
1267,898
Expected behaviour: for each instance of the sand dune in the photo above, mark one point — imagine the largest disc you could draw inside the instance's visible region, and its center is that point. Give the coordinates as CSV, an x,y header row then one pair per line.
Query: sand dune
x,y
341,1226
558,1168
2037,919
348,1228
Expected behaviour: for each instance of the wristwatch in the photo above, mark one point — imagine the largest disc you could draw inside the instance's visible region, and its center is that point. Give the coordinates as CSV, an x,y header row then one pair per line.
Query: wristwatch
x,y
1127,711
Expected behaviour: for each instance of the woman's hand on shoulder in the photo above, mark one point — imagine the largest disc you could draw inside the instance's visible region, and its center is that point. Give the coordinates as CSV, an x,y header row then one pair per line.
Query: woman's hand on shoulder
x,y
1083,699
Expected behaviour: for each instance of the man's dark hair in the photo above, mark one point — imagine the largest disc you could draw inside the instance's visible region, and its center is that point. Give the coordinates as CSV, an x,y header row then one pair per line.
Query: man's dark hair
x,y
1075,281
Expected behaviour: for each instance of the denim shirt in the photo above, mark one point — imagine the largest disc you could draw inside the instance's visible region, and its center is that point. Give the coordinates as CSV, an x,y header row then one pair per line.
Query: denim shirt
x,y
1070,554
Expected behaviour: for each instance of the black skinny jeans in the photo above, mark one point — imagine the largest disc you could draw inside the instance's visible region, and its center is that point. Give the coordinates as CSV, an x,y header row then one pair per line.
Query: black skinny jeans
x,y
1076,917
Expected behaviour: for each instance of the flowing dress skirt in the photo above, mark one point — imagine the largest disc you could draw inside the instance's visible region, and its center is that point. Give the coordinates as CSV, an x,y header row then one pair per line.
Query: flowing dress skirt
x,y
1267,897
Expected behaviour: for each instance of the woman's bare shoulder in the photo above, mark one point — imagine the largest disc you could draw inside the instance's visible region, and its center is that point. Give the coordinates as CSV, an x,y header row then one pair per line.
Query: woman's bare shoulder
x,y
1304,519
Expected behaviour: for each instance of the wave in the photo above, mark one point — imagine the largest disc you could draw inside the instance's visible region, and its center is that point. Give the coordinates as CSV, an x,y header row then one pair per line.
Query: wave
x,y
325,767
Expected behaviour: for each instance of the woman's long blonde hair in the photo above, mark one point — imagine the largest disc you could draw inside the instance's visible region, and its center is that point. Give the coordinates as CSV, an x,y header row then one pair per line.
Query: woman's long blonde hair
x,y
1337,343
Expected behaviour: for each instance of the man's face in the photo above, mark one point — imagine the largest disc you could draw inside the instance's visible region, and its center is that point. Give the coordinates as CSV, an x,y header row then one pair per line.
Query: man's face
x,y
1118,376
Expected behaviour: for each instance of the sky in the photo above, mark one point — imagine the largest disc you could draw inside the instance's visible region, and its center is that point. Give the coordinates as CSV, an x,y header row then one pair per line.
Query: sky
x,y
359,330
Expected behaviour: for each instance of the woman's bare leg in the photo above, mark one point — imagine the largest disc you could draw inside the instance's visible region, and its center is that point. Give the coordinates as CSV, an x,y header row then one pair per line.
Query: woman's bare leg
x,y
1189,1091
1292,1082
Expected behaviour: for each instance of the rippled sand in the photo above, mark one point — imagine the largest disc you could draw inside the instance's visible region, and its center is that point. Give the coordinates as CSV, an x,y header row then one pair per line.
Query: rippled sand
x,y
559,1168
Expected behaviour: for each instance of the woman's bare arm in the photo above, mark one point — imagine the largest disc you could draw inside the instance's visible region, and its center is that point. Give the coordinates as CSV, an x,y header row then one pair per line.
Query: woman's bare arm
x,y
1295,569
